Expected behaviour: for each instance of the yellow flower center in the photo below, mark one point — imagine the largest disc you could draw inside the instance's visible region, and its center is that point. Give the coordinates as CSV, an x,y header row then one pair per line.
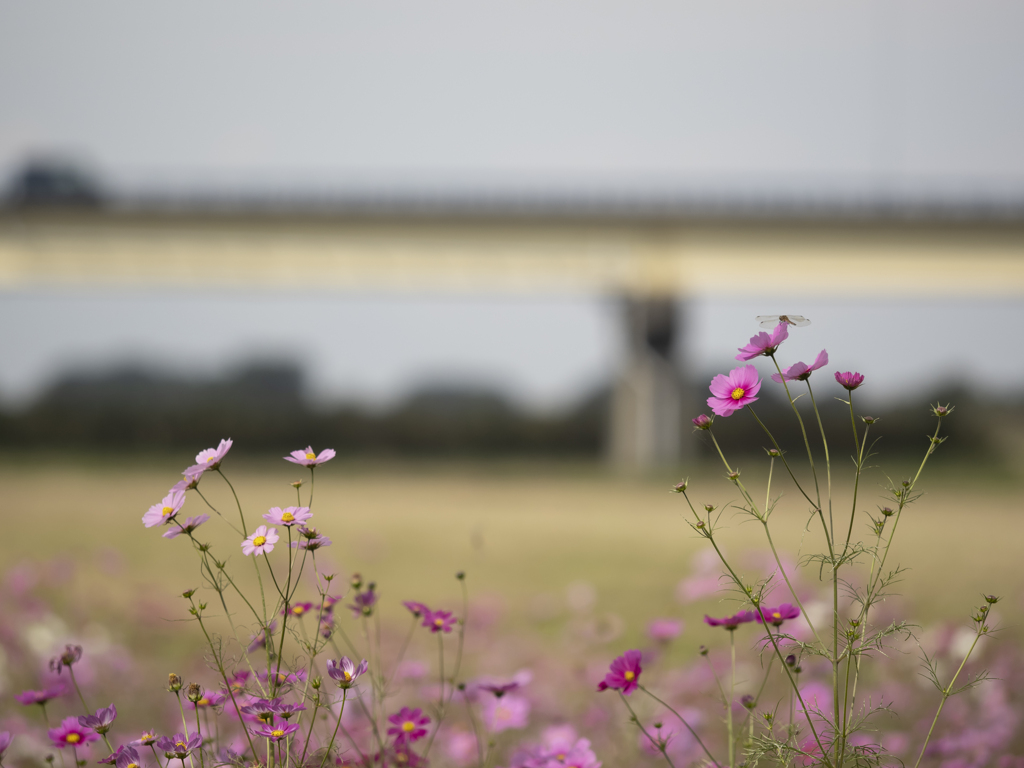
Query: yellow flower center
x,y
277,734
629,675
298,609
310,456
776,615
72,738
560,757
167,511
287,517
181,745
209,459
438,622
348,677
738,393
132,765
203,702
408,726
259,541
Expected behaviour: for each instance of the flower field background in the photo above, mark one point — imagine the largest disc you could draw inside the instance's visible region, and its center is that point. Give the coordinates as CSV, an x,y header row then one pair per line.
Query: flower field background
x,y
566,567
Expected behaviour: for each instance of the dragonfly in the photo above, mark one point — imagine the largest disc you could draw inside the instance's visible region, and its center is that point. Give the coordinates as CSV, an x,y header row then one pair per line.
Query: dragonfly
x,y
770,321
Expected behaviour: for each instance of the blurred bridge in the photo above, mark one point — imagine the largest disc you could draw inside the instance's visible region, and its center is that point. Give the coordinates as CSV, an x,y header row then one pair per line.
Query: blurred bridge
x,y
648,255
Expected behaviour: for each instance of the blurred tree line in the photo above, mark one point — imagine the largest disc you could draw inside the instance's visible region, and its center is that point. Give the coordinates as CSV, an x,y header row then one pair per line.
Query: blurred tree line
x,y
263,407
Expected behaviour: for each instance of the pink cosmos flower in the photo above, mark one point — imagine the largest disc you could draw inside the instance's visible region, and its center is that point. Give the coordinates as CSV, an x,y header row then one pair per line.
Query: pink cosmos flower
x,y
260,542
190,479
763,343
733,392
40,697
311,539
731,622
407,725
439,621
101,721
663,630
297,609
71,734
345,672
147,738
416,609
179,746
309,458
801,371
210,699
498,689
288,516
776,616
189,525
211,457
624,673
276,732
5,742
850,379
164,512
501,714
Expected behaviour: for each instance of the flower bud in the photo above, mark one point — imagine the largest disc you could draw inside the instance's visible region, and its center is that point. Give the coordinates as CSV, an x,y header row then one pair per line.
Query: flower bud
x,y
991,599
194,693
887,511
942,410
371,586
460,575
791,660
188,594
775,453
748,701
709,508
703,422
681,486
734,475
173,683
315,682
870,419
703,650
296,484
357,581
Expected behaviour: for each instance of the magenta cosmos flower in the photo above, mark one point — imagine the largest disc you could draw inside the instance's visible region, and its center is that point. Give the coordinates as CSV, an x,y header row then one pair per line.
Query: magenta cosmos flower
x,y
801,371
309,458
344,672
187,527
764,343
288,516
775,616
730,622
261,541
40,697
407,725
439,621
297,609
211,457
165,511
733,392
70,733
850,379
624,673
5,742
277,732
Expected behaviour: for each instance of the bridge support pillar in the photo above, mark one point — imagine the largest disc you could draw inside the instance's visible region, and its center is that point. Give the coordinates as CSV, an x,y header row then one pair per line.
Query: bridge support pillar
x,y
645,429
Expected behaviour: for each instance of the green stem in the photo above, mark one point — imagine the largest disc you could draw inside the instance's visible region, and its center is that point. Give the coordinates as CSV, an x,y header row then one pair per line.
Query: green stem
x,y
682,720
946,692
659,746
330,746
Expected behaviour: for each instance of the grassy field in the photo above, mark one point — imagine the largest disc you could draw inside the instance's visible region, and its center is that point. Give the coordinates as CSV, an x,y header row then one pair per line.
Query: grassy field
x,y
524,533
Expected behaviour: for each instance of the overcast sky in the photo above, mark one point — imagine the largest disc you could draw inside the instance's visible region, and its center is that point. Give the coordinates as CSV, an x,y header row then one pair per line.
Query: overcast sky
x,y
787,98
